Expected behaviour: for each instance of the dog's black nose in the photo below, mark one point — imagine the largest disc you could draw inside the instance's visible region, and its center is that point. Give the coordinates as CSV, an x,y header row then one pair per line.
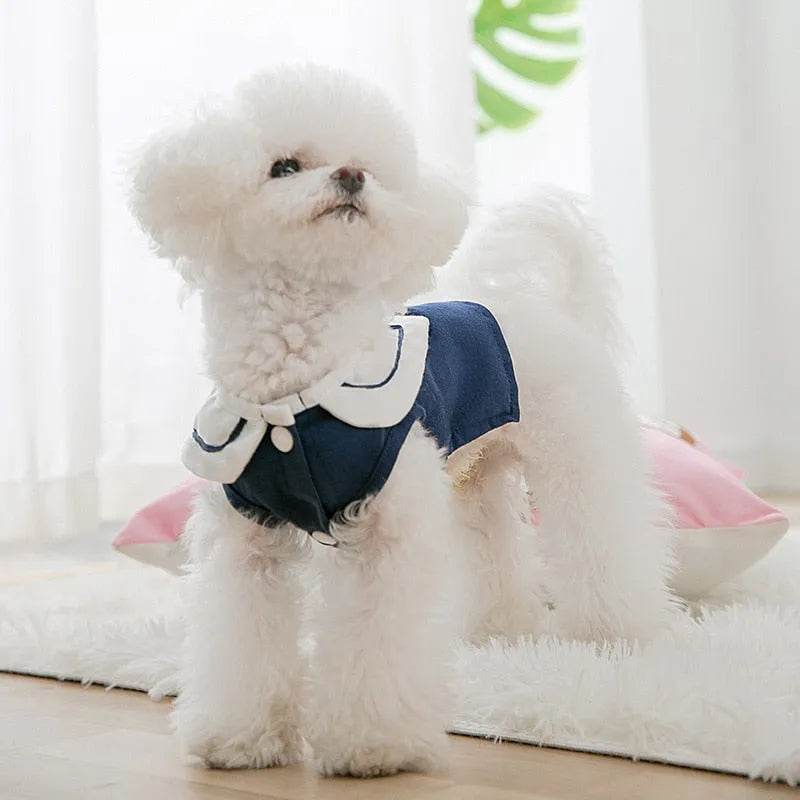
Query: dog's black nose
x,y
349,178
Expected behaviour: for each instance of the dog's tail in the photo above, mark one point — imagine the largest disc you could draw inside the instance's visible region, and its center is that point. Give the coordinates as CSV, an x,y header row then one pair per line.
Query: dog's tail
x,y
548,246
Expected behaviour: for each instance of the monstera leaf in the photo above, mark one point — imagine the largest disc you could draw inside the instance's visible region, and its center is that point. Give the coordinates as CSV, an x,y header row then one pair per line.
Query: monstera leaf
x,y
525,18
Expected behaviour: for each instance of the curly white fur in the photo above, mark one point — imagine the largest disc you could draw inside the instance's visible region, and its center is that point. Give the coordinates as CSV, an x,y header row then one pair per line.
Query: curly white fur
x,y
291,293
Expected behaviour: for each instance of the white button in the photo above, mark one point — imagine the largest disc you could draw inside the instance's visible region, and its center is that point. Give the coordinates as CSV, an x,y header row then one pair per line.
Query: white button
x,y
323,538
282,439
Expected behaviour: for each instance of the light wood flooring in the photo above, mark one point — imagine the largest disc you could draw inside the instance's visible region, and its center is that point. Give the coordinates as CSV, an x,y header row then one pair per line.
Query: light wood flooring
x,y
60,741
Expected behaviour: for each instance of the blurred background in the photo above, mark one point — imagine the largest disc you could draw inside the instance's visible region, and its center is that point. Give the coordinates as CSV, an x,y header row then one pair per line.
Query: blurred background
x,y
679,120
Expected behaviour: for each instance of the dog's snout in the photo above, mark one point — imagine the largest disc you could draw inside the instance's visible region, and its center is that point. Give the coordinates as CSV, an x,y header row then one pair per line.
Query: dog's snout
x,y
349,178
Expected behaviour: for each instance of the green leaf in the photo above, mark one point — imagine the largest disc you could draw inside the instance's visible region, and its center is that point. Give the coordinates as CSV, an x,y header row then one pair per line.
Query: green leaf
x,y
494,12
537,70
500,108
567,36
493,16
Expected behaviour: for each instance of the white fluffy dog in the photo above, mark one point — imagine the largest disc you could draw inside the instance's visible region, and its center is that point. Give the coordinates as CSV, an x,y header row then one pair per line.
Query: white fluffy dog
x,y
300,212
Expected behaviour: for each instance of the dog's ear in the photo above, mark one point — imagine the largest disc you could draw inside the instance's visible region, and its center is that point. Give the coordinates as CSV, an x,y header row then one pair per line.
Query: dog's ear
x,y
184,180
442,206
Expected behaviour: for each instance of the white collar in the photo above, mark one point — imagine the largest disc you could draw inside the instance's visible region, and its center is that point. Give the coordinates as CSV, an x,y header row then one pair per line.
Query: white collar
x,y
377,391
283,410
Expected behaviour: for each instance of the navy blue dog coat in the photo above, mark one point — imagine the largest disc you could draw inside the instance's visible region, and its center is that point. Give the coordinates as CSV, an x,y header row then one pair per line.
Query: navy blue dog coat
x,y
305,458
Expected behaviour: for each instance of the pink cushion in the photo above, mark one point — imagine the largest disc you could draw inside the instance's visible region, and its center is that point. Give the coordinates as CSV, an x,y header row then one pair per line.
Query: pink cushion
x,y
152,534
704,492
723,527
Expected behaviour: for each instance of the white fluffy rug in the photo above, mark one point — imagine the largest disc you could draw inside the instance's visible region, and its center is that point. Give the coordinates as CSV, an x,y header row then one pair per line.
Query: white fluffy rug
x,y
720,691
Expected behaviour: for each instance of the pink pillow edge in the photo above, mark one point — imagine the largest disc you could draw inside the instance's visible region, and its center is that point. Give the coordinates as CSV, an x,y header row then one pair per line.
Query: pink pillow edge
x,y
161,521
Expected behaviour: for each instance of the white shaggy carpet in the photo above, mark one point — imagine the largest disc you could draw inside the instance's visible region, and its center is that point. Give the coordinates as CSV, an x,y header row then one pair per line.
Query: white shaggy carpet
x,y
720,691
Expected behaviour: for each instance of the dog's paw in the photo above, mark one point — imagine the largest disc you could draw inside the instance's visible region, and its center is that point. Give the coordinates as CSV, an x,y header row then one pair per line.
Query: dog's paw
x,y
249,752
375,761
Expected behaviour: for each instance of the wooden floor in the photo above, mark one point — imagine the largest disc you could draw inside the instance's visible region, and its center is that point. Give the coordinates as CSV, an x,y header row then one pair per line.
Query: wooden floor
x,y
59,741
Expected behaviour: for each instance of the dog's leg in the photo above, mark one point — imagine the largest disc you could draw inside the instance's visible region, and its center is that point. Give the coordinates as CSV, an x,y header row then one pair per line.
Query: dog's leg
x,y
379,672
239,698
585,466
505,575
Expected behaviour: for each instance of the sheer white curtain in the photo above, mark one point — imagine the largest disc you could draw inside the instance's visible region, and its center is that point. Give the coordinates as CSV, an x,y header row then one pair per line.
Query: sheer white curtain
x,y
694,119
100,376
49,269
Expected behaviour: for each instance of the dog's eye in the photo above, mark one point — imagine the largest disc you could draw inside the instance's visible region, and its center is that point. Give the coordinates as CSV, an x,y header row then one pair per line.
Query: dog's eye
x,y
284,167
